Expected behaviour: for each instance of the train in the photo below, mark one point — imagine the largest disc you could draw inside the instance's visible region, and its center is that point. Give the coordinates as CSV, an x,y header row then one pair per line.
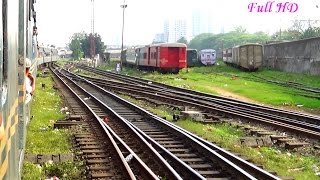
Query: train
x,y
205,57
163,57
248,56
18,42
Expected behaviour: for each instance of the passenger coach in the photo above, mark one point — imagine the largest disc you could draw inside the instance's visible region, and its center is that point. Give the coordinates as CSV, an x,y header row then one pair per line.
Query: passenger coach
x,y
166,57
207,56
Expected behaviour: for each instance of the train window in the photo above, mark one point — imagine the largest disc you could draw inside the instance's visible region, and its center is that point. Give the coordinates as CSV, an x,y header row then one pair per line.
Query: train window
x,y
3,56
5,40
144,55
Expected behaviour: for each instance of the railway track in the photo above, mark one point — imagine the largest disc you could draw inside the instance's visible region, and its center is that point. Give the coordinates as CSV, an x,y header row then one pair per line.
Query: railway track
x,y
103,151
294,122
299,89
189,155
196,94
290,84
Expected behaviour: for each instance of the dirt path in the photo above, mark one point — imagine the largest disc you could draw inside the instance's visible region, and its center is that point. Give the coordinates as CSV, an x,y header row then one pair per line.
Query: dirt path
x,y
231,95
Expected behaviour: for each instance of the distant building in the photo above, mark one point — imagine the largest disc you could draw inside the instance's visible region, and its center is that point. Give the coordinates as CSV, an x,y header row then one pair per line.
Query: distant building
x,y
174,29
202,22
114,53
166,31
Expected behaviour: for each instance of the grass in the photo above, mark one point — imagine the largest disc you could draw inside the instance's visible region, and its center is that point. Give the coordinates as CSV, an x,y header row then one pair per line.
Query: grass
x,y
42,138
282,162
285,163
65,171
209,79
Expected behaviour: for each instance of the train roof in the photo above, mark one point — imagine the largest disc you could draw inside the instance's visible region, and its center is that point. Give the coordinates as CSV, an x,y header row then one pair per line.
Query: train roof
x,y
169,45
208,50
248,44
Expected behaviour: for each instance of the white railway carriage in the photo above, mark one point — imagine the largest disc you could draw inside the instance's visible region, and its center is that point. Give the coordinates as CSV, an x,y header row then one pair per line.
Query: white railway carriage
x,y
207,56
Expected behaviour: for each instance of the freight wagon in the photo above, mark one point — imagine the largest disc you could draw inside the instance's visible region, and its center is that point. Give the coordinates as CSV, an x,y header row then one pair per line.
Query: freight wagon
x,y
248,56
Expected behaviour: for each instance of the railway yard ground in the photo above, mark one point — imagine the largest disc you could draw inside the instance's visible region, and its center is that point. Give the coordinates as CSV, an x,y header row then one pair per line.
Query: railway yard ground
x,y
264,145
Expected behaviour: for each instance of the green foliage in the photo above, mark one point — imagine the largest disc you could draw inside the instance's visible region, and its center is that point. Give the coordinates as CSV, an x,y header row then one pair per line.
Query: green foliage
x,y
65,170
310,32
31,171
230,79
76,46
240,29
41,137
205,78
80,45
288,35
273,159
197,42
300,29
227,40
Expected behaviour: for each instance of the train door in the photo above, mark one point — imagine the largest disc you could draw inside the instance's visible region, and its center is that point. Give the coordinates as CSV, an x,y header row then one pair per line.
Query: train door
x,y
243,56
137,56
173,57
250,56
258,55
182,58
158,56
153,56
148,56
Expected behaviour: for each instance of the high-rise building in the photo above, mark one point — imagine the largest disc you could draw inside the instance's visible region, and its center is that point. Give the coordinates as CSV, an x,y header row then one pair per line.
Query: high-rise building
x,y
174,29
202,22
166,30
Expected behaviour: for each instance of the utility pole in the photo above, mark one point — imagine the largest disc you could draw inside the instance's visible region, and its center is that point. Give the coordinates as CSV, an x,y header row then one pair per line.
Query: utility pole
x,y
123,8
91,37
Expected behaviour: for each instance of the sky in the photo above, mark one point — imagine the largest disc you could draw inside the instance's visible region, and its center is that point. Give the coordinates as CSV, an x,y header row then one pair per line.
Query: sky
x,y
57,20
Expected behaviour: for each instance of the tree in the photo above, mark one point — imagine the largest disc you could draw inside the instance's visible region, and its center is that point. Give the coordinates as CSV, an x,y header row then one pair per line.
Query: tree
x,y
197,42
302,29
288,35
76,46
227,40
310,32
182,40
100,47
240,29
80,44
